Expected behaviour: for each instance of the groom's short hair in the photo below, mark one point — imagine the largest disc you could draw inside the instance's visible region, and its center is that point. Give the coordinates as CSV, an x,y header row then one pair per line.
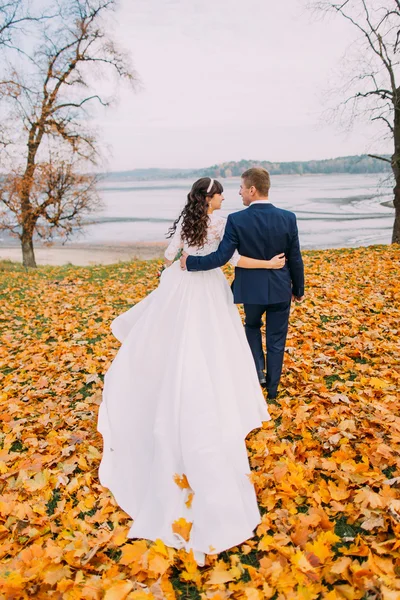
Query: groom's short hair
x,y
259,178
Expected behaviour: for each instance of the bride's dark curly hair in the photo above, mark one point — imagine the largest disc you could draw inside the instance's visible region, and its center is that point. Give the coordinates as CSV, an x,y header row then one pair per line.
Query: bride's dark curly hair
x,y
194,215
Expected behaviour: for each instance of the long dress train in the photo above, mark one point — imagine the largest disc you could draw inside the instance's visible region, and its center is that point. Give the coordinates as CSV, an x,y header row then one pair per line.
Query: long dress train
x,y
179,399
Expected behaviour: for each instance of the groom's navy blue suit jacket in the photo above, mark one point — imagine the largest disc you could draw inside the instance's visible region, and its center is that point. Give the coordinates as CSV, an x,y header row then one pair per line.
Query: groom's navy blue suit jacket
x,y
260,231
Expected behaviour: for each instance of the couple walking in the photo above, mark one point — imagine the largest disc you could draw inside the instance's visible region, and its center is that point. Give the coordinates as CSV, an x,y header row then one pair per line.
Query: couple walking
x,y
184,389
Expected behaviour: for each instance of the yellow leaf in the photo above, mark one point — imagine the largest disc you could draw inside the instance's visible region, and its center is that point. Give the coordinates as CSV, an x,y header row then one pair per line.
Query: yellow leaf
x,y
253,594
39,481
141,595
119,591
133,552
338,492
53,574
11,580
346,591
220,574
332,595
158,564
321,546
266,542
160,548
189,500
300,560
388,594
367,497
54,551
119,536
82,462
92,452
378,384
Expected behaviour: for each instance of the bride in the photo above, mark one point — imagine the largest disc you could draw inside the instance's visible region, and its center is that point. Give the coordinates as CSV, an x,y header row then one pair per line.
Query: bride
x,y
181,396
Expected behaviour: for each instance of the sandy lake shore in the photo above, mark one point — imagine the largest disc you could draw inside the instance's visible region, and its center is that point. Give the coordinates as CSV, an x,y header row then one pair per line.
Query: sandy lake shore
x,y
85,255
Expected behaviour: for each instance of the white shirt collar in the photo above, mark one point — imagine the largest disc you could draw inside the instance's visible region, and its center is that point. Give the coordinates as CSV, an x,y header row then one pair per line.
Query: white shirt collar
x,y
260,202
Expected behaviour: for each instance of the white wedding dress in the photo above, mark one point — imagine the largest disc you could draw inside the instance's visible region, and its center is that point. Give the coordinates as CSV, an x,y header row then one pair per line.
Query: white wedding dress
x,y
179,399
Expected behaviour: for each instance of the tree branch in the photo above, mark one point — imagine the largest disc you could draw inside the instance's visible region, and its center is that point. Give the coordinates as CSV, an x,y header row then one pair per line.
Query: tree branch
x,y
380,158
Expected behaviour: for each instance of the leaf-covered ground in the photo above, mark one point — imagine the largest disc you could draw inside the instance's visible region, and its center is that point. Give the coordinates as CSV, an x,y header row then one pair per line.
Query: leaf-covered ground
x,y
326,468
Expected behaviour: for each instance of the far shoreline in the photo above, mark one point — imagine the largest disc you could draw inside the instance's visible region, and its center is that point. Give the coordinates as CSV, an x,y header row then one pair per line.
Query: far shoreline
x,y
85,255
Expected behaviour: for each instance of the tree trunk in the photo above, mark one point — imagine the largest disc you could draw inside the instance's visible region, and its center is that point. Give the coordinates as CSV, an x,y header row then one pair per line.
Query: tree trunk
x,y
396,169
396,202
396,190
28,254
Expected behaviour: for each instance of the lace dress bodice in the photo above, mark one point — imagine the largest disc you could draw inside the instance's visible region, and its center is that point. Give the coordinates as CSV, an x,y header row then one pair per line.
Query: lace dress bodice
x,y
215,233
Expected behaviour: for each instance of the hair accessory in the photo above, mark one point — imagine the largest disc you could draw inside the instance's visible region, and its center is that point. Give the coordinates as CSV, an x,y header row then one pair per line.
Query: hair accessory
x,y
210,186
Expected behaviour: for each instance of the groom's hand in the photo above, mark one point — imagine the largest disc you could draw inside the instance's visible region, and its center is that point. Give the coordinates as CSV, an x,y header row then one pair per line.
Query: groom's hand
x,y
297,299
182,260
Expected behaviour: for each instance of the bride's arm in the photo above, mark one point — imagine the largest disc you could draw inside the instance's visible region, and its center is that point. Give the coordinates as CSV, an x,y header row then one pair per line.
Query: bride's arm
x,y
174,246
244,262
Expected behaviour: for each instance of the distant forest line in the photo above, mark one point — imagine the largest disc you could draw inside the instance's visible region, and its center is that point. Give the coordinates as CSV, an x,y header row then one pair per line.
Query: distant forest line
x,y
344,164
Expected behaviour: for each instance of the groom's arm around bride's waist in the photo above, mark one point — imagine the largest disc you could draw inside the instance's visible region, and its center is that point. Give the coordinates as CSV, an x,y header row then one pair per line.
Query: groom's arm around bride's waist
x,y
221,256
230,243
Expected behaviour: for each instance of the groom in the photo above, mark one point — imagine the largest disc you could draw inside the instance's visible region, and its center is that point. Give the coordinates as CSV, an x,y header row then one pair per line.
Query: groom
x,y
261,232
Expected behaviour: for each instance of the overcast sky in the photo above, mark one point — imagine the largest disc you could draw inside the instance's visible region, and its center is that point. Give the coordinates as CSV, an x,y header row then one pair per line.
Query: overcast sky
x,y
224,80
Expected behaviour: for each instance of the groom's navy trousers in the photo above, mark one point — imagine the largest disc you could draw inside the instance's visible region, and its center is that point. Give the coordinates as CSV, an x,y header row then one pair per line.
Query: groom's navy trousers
x,y
262,231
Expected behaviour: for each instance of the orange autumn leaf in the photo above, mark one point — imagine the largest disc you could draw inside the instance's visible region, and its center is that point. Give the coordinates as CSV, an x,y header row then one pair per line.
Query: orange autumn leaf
x,y
119,536
182,528
158,564
181,481
300,536
55,574
341,566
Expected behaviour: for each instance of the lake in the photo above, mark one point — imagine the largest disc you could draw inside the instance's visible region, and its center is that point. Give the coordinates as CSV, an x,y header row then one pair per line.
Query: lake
x,y
332,210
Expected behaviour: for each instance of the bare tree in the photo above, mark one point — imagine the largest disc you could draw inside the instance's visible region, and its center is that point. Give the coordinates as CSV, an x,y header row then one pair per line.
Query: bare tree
x,y
16,19
374,91
47,105
14,14
11,16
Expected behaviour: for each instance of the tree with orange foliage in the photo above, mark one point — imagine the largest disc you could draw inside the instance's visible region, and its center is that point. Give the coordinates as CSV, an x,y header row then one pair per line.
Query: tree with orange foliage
x,y
60,198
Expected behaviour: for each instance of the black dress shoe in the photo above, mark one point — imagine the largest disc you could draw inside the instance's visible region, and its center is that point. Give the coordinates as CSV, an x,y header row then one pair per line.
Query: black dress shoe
x,y
262,378
272,395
